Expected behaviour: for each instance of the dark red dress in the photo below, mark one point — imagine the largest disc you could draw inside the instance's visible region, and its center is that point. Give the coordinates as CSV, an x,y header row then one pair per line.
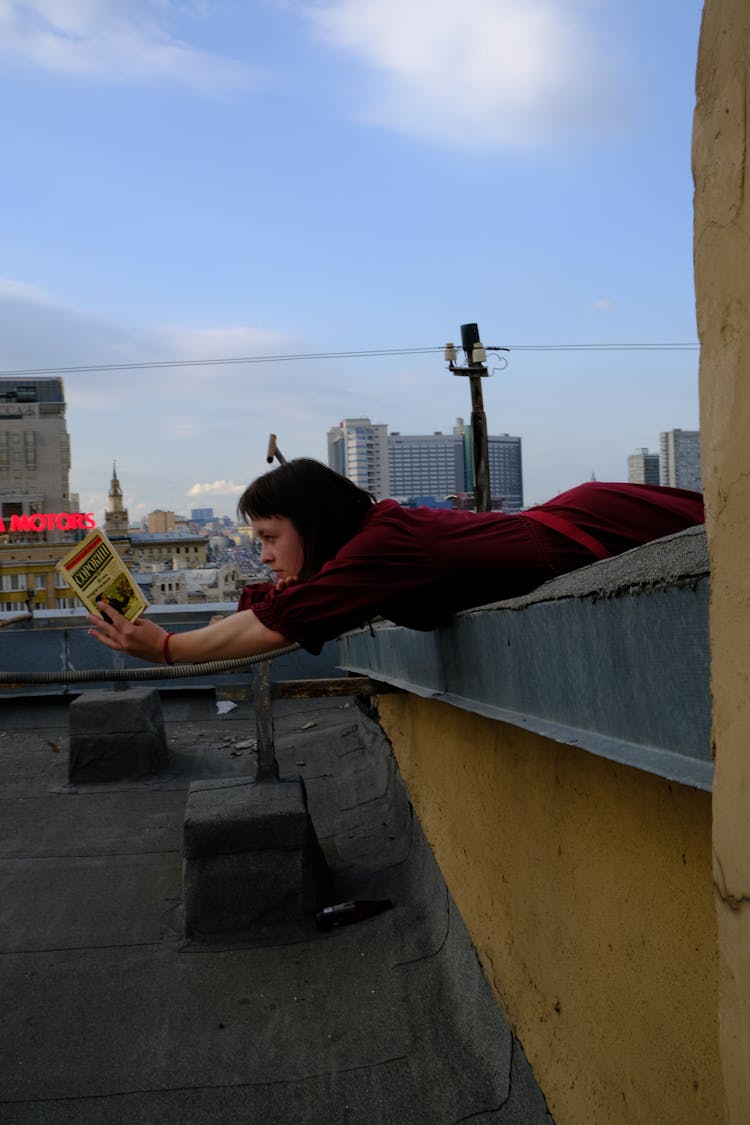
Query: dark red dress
x,y
417,566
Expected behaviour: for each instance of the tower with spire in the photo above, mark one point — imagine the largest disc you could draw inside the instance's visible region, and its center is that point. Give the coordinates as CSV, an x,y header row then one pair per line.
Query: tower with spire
x,y
116,516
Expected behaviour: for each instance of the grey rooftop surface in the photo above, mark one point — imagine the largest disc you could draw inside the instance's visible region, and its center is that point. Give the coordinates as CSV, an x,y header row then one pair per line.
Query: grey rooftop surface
x,y
111,1016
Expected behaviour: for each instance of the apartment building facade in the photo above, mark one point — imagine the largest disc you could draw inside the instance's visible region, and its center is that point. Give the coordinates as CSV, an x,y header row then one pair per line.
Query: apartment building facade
x,y
39,518
680,459
643,467
358,449
434,467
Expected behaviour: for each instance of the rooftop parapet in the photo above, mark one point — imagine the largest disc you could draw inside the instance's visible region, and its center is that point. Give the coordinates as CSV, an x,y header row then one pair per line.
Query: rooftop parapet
x,y
612,658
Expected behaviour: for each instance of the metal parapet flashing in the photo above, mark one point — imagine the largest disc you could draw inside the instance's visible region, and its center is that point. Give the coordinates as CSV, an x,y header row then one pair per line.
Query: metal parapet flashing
x,y
613,659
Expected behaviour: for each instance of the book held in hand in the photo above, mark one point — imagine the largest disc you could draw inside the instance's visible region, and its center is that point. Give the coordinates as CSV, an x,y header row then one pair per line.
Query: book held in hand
x,y
96,573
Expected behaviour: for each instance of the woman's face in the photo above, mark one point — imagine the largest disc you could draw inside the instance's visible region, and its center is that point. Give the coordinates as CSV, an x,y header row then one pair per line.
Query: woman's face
x,y
282,546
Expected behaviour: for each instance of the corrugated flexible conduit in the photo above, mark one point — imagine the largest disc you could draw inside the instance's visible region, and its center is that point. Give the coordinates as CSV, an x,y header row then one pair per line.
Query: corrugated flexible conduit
x,y
168,672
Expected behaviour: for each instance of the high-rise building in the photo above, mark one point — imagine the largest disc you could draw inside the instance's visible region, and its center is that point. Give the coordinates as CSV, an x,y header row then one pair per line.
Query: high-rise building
x,y
39,518
358,449
441,465
34,450
643,467
433,466
425,465
505,468
680,459
506,473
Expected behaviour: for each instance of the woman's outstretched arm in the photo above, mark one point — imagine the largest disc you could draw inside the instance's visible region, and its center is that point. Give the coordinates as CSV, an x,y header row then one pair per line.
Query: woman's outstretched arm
x,y
240,634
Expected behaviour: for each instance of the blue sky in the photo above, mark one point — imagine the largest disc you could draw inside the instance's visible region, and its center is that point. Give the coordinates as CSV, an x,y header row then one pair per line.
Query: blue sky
x,y
195,180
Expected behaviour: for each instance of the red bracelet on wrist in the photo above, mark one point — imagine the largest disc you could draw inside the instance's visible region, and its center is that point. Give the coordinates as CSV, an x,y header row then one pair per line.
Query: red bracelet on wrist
x,y
165,650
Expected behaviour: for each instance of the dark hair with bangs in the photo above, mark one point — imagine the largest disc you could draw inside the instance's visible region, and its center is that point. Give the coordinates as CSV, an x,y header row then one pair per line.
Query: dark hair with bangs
x,y
326,508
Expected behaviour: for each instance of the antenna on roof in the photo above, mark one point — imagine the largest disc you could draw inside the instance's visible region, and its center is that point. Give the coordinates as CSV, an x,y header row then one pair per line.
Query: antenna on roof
x,y
274,451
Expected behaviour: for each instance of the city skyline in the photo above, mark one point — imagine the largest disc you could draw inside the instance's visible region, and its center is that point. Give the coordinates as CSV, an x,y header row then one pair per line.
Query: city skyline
x,y
202,184
434,467
685,474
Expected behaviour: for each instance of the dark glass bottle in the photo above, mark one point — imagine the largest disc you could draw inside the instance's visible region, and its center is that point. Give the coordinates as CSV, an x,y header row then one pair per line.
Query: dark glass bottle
x,y
344,913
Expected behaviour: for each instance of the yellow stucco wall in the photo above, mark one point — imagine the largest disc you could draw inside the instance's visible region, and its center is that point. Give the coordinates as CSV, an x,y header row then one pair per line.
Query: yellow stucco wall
x,y
721,166
586,887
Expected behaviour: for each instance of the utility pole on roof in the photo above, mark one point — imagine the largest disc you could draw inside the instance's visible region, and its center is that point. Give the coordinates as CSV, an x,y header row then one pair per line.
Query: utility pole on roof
x,y
475,368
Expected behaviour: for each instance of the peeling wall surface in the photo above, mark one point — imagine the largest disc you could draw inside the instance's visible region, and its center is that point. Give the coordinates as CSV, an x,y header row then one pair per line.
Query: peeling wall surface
x,y
586,888
721,171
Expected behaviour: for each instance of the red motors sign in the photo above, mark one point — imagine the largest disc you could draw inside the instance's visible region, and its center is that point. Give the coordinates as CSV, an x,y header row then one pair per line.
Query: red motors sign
x,y
50,521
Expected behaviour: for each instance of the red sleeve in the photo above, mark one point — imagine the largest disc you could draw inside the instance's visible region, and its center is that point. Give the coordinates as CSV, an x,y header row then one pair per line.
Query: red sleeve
x,y
418,566
386,559
254,593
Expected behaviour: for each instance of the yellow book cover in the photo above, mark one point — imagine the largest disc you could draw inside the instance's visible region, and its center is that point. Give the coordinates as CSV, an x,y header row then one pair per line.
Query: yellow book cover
x,y
95,572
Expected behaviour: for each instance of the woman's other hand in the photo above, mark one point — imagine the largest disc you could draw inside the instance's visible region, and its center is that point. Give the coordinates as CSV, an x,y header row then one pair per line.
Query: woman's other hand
x,y
282,583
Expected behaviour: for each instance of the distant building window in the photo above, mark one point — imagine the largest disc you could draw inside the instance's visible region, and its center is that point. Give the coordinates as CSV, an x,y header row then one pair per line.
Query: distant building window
x,y
14,582
15,451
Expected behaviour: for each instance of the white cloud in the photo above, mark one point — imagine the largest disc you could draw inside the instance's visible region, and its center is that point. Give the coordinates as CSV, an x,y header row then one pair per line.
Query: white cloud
x,y
113,40
479,72
25,291
217,488
215,343
603,305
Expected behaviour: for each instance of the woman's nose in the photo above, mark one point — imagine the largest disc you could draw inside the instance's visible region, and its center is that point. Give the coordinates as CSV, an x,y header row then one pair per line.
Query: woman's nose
x,y
266,553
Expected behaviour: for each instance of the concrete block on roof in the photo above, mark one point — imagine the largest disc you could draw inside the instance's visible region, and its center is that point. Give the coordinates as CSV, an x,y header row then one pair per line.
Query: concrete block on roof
x,y
251,857
116,735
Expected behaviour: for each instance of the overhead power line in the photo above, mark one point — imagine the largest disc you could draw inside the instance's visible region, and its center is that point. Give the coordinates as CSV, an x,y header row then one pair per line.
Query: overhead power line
x,y
604,347
360,354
